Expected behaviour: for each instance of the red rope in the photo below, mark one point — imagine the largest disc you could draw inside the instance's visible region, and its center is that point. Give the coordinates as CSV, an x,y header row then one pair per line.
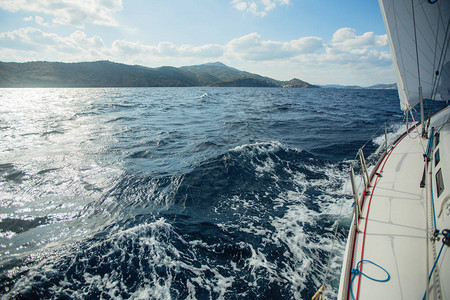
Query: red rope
x,y
367,215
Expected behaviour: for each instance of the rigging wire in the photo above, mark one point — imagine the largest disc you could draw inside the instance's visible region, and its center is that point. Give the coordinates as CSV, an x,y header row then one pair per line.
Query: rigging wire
x,y
442,59
415,42
417,130
443,56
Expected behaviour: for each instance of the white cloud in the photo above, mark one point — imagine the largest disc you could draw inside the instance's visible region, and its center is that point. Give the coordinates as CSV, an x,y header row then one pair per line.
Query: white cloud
x,y
40,21
34,43
346,38
206,51
28,38
252,47
258,7
165,50
69,12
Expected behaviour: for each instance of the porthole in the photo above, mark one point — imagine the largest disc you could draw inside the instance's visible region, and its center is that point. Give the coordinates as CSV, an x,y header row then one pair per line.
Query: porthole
x,y
439,183
437,157
436,139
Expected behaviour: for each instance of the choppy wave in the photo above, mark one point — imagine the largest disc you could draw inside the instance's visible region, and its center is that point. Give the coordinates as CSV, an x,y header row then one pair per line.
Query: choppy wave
x,y
153,194
242,224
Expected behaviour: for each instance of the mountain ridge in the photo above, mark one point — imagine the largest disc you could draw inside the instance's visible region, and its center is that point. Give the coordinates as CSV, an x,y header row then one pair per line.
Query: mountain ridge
x,y
112,74
106,73
391,86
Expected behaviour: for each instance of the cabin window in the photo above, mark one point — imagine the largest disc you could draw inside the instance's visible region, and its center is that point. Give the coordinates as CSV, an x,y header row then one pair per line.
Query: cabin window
x,y
437,157
439,183
436,139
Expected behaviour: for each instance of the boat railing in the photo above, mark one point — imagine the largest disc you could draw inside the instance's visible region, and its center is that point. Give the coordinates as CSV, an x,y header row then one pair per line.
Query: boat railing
x,y
366,167
363,167
362,170
357,202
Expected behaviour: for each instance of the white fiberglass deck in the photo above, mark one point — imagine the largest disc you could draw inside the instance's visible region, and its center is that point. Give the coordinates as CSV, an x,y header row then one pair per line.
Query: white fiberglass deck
x,y
395,220
395,228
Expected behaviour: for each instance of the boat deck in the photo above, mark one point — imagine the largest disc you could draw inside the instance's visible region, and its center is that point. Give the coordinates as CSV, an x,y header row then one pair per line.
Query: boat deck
x,y
393,231
394,225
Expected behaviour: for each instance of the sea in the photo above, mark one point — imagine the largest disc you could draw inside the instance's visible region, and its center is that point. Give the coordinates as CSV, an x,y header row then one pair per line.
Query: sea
x,y
181,193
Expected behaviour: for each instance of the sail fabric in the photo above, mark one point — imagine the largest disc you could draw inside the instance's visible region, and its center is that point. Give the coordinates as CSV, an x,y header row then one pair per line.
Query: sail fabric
x,y
431,21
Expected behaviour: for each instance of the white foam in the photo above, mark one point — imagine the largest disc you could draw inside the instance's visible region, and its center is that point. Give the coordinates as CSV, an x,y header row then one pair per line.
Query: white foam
x,y
305,246
394,131
221,283
259,147
264,167
259,260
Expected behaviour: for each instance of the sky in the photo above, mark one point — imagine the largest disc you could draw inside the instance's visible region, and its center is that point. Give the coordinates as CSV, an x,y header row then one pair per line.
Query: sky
x,y
318,41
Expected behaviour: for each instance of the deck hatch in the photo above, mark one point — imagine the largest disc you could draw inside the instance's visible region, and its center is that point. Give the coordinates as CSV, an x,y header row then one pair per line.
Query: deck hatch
x,y
439,183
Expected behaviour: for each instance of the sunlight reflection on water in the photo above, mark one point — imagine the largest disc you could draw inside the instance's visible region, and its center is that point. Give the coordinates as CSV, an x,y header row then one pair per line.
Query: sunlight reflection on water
x,y
50,141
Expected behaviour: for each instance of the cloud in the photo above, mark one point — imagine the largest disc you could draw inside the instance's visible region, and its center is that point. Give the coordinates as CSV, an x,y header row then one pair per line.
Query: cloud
x,y
38,19
207,51
348,48
28,38
36,43
259,8
165,50
252,47
346,38
69,12
345,47
32,42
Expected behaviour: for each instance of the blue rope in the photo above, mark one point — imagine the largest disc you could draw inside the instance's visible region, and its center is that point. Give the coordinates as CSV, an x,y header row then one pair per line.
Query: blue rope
x,y
434,266
435,262
429,147
430,143
356,271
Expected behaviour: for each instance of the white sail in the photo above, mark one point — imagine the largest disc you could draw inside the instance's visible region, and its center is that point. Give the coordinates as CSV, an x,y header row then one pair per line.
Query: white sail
x,y
430,19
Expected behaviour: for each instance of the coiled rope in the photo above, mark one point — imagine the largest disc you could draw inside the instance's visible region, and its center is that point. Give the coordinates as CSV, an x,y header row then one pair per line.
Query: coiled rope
x,y
356,271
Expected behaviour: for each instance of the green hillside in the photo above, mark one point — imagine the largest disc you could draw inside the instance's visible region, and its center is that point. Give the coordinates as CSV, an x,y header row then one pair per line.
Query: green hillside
x,y
110,74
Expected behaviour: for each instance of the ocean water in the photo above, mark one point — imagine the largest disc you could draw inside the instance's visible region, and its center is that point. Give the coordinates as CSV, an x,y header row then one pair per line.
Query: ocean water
x,y
180,193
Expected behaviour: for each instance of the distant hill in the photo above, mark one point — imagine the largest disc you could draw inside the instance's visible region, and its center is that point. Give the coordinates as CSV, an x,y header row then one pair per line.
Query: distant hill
x,y
392,86
89,74
297,83
338,86
245,82
110,74
219,74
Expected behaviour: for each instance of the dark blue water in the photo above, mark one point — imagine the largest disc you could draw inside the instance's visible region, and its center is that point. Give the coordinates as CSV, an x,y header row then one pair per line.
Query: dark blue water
x,y
179,193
